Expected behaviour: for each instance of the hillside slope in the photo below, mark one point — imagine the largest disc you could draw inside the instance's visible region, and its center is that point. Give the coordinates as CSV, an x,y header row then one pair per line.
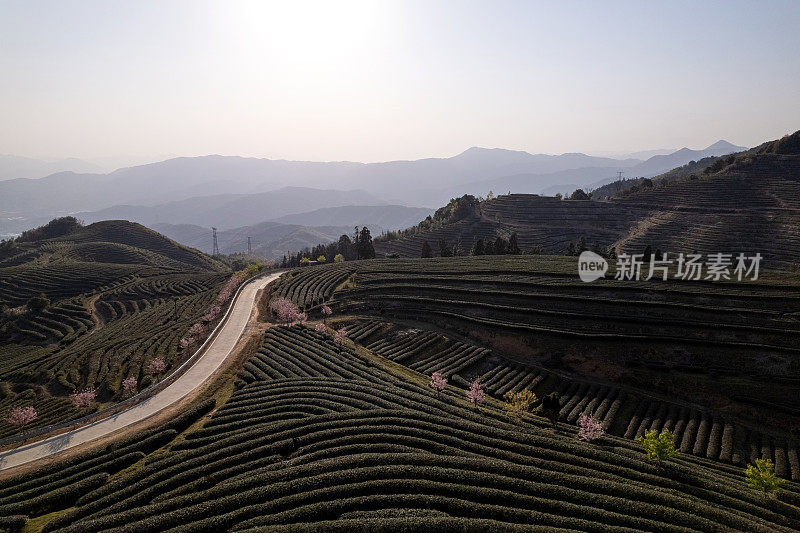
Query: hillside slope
x,y
319,437
117,295
749,202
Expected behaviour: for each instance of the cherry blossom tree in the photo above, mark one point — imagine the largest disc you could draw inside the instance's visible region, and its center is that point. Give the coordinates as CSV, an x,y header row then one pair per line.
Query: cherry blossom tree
x,y
438,382
196,330
156,366
84,398
229,288
186,342
302,318
285,310
129,387
475,393
326,312
19,416
320,327
340,336
212,313
589,428
129,384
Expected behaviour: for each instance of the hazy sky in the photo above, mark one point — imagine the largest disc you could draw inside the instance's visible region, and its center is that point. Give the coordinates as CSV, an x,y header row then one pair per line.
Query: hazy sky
x,y
372,80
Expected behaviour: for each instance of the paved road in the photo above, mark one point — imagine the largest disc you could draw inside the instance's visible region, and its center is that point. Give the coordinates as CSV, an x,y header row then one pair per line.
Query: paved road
x,y
214,356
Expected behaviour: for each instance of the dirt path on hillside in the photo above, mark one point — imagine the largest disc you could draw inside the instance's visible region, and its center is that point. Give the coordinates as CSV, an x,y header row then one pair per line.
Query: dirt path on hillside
x,y
98,321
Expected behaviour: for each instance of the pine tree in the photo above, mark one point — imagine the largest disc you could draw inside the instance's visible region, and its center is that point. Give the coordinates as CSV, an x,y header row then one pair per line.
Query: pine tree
x,y
478,248
500,246
426,249
513,245
364,245
444,250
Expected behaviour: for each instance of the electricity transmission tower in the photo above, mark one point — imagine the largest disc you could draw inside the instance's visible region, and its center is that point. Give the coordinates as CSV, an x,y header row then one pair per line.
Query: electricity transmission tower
x,y
216,246
619,175
249,248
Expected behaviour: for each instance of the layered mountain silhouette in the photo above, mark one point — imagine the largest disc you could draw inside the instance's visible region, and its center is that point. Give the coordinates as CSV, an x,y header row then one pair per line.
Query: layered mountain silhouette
x,y
746,202
25,203
273,239
15,166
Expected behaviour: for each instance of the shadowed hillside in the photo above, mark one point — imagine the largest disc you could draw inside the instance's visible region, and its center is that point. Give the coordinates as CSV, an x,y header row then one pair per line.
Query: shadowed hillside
x,y
88,307
747,202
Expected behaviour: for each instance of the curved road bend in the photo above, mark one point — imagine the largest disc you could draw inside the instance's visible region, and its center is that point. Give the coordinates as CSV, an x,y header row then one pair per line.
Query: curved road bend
x,y
201,370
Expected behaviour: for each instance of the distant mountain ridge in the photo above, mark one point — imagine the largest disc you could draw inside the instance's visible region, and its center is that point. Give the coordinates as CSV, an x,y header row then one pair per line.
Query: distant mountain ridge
x,y
424,182
274,238
745,202
271,240
15,166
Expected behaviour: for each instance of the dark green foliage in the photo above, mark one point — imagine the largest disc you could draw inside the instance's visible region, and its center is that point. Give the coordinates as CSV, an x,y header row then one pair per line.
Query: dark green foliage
x,y
37,304
513,245
60,498
500,246
478,248
426,249
456,209
13,523
57,227
444,249
551,407
579,195
364,247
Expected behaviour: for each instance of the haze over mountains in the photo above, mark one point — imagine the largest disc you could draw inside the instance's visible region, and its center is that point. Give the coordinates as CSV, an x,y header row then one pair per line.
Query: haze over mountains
x,y
15,166
743,203
230,192
290,233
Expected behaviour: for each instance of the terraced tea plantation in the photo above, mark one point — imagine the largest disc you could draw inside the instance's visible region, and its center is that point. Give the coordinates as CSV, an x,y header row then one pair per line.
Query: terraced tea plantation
x,y
111,308
640,355
319,437
625,413
703,326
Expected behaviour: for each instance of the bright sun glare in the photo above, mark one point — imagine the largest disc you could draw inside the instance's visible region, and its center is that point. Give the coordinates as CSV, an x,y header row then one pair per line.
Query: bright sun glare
x,y
309,33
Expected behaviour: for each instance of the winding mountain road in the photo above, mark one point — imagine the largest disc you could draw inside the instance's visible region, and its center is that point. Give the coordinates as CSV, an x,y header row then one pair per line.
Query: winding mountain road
x,y
216,353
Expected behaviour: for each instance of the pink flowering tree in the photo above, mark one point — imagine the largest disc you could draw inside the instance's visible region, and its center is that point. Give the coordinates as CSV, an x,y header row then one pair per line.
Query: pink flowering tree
x,y
285,310
320,327
19,416
156,367
438,382
589,428
129,385
229,288
196,330
476,394
187,342
84,398
340,336
326,312
302,318
212,313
